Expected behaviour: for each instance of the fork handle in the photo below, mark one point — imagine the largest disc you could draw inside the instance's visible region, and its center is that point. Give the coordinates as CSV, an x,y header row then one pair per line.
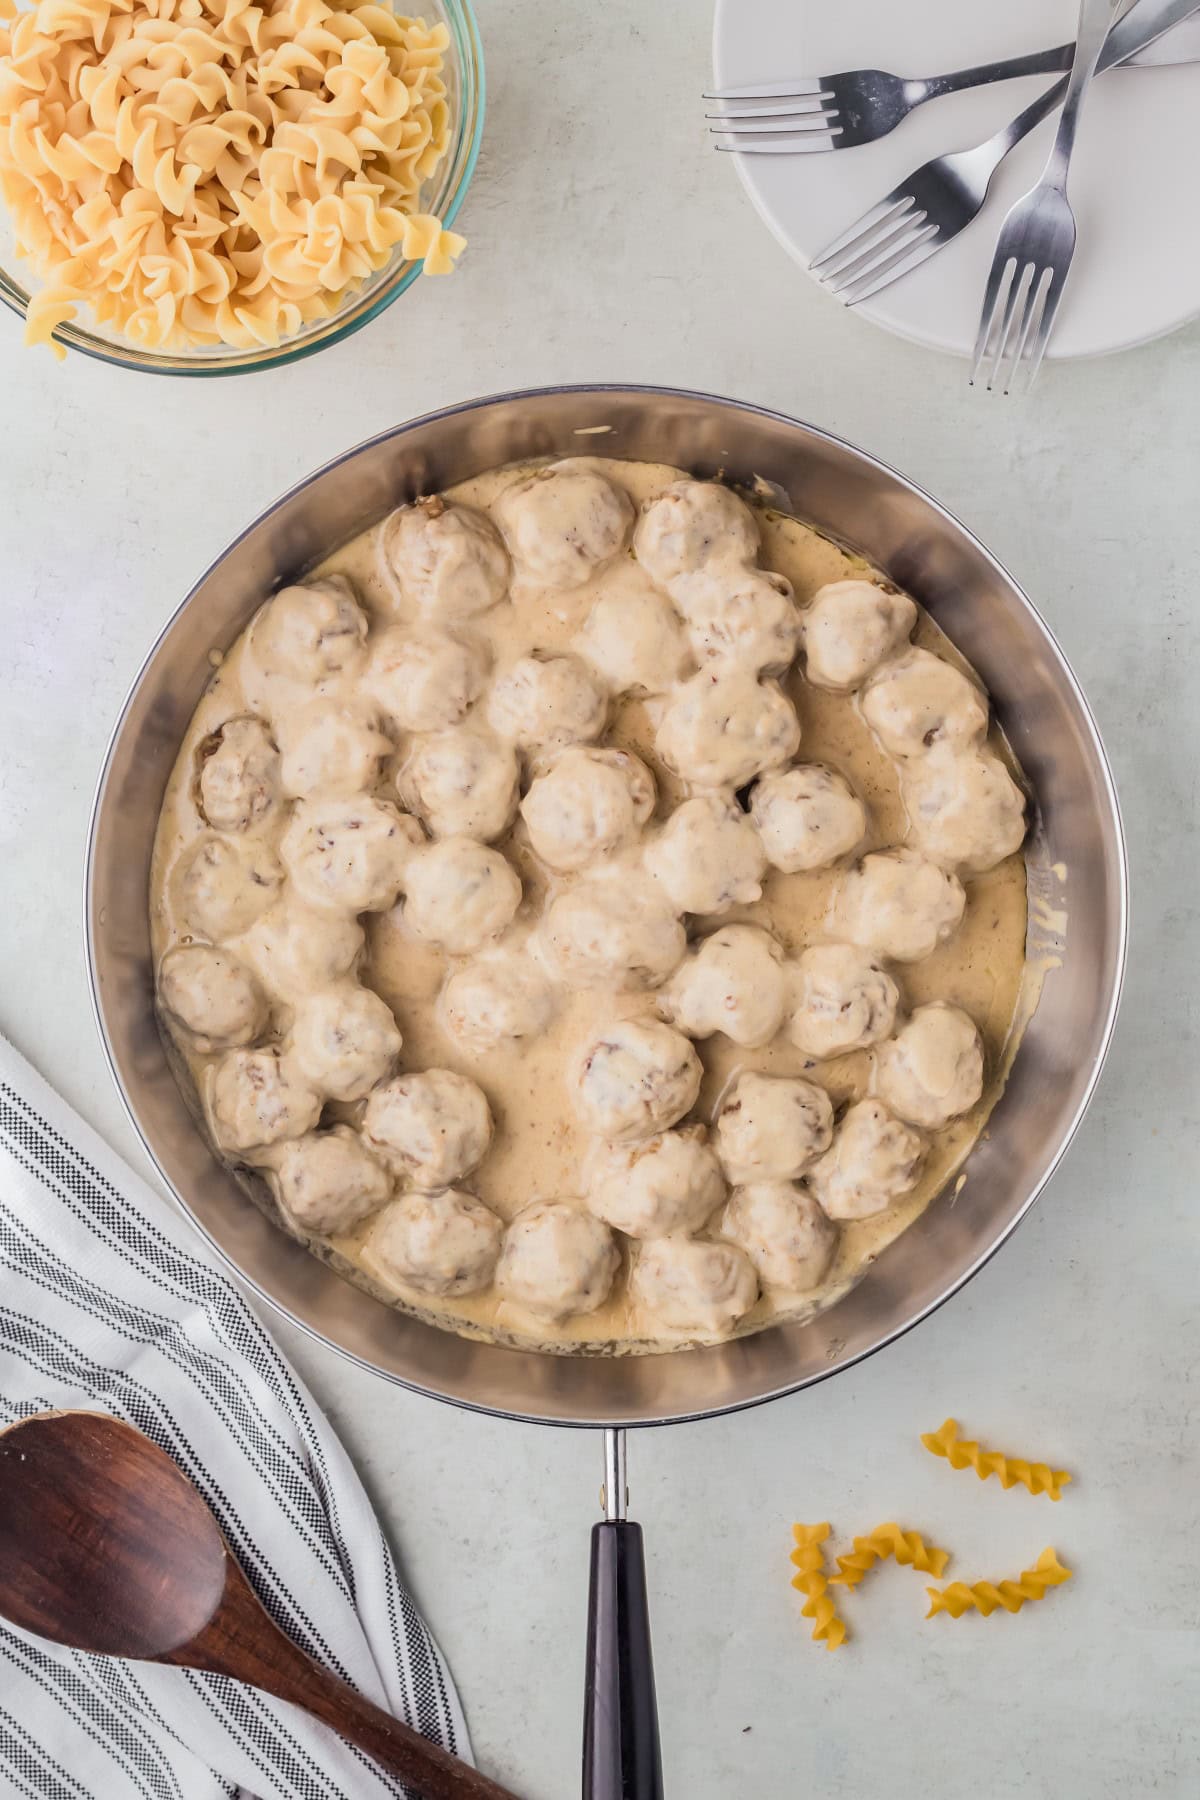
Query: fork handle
x,y
1118,43
1038,62
997,148
990,154
1095,17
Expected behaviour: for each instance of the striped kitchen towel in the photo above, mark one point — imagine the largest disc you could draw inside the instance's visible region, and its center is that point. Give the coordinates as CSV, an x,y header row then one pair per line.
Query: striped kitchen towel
x,y
104,1303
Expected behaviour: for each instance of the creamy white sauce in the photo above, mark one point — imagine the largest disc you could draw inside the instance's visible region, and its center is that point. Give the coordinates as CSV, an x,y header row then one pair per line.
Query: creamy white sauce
x,y
540,1147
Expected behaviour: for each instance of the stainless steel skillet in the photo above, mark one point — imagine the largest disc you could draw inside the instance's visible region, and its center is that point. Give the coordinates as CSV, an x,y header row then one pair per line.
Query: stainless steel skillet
x,y
1081,926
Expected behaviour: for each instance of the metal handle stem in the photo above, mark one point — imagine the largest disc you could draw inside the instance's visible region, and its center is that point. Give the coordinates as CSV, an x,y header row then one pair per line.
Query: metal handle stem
x,y
615,1493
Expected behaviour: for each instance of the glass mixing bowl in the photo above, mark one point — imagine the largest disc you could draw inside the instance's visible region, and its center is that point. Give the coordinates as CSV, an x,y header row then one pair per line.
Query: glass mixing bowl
x,y
442,195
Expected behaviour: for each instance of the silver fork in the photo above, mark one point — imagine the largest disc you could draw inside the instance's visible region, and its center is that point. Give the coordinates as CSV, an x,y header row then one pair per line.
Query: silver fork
x,y
927,210
1036,245
839,112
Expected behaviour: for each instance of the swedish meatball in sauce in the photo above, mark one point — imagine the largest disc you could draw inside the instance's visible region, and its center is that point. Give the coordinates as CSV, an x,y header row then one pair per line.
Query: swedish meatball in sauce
x,y
508,762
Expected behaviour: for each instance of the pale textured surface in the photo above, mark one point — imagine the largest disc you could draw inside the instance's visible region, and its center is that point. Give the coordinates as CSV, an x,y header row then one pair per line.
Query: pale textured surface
x,y
607,244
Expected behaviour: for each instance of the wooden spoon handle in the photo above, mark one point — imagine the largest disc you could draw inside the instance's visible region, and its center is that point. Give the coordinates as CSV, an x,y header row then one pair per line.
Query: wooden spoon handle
x,y
242,1640
425,1766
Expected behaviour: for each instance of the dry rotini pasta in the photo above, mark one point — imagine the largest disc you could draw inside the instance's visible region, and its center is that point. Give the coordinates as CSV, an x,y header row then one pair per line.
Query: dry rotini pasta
x,y
908,1547
961,1453
985,1596
204,172
811,1580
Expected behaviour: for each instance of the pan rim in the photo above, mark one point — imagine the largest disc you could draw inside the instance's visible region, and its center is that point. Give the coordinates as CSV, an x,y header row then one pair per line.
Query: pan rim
x,y
1120,921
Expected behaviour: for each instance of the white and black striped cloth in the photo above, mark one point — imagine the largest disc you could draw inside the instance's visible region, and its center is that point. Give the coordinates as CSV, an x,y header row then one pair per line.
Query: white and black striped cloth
x,y
103,1304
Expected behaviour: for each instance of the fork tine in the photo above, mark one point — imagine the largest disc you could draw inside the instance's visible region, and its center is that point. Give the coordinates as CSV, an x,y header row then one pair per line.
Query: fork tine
x,y
857,233
799,143
853,268
810,122
999,276
815,104
916,250
1045,324
885,233
927,243
1016,316
771,90
1034,304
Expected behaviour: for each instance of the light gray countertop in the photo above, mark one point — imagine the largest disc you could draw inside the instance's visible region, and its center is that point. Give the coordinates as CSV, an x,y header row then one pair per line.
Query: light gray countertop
x,y
608,244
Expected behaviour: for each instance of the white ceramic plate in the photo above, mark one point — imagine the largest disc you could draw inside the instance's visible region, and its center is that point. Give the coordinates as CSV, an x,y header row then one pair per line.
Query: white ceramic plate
x,y
1134,178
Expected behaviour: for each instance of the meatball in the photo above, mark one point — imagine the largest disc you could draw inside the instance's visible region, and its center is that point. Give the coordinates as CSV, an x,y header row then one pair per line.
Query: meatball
x,y
965,811
691,524
807,817
873,1162
707,857
332,747
918,701
209,998
223,887
239,776
843,1000
463,783
612,931
563,523
349,855
932,1070
723,727
632,637
895,902
544,702
557,1260
447,558
693,1286
636,1079
590,803
744,617
444,1244
497,999
784,1233
328,1181
670,1183
425,681
731,982
310,633
850,628
770,1127
460,894
295,949
253,1102
433,1128
344,1040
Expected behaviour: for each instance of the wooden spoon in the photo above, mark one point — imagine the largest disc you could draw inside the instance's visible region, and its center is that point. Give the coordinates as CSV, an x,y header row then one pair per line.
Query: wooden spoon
x,y
106,1546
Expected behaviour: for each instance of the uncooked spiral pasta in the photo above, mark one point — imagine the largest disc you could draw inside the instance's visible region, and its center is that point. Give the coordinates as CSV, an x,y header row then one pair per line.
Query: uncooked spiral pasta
x,y
908,1547
985,1596
1011,1471
811,1580
204,172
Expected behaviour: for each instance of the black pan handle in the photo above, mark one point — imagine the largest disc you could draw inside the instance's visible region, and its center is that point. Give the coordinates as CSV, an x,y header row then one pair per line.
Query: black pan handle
x,y
622,1759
